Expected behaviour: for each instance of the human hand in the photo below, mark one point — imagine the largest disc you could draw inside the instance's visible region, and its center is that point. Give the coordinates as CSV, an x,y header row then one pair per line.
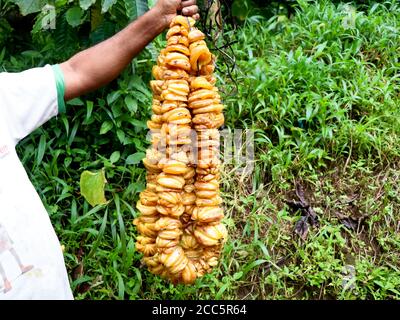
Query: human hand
x,y
169,9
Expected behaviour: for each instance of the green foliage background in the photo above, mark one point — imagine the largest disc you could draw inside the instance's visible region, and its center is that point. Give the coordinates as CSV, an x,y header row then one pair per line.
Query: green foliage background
x,y
320,88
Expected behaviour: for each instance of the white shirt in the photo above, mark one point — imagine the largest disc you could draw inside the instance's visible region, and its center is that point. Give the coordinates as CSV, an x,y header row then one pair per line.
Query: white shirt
x,y
31,260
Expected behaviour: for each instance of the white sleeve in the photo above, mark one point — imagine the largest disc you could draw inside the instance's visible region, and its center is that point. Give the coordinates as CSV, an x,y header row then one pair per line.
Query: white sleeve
x,y
28,99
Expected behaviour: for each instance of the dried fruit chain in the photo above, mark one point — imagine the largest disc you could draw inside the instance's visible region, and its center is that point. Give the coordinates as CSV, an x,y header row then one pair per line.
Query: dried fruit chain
x,y
181,234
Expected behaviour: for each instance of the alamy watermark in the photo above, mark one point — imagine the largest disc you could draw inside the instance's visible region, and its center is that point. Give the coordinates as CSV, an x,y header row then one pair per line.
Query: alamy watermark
x,y
49,14
349,277
349,21
48,17
205,148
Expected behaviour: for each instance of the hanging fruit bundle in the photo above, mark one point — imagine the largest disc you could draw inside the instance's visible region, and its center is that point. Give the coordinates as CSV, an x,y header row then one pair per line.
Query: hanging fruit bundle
x,y
181,234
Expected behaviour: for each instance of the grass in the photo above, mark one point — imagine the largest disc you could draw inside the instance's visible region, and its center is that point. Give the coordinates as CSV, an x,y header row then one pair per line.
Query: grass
x,y
321,92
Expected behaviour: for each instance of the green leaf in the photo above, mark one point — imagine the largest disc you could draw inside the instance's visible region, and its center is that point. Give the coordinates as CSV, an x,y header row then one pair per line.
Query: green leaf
x,y
92,187
117,110
252,265
31,54
86,4
75,102
112,97
121,136
106,126
30,6
135,158
115,156
138,123
309,112
221,291
41,149
320,49
67,162
89,109
74,16
131,104
121,286
106,5
130,9
100,235
238,275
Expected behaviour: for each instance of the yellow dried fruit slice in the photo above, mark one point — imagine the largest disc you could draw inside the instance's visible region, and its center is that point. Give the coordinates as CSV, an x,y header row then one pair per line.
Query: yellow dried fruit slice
x,y
201,103
208,214
196,35
178,48
214,108
181,21
211,235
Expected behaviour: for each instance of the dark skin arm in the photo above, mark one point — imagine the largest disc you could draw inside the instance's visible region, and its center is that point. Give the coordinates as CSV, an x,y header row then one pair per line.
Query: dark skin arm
x,y
99,65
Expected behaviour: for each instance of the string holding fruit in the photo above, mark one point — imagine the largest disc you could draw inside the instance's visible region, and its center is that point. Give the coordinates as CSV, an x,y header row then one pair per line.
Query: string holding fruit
x,y
181,234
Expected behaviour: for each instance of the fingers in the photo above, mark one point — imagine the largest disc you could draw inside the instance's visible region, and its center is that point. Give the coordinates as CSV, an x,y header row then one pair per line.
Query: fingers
x,y
189,8
188,3
190,11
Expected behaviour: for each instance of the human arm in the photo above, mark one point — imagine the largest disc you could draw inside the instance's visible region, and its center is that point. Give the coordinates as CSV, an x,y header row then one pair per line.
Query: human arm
x,y
99,65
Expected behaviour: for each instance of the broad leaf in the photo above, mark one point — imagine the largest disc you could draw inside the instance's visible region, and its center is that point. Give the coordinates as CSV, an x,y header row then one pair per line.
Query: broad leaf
x,y
130,9
74,16
135,158
115,156
106,126
112,97
92,187
106,5
86,4
131,104
135,9
30,6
